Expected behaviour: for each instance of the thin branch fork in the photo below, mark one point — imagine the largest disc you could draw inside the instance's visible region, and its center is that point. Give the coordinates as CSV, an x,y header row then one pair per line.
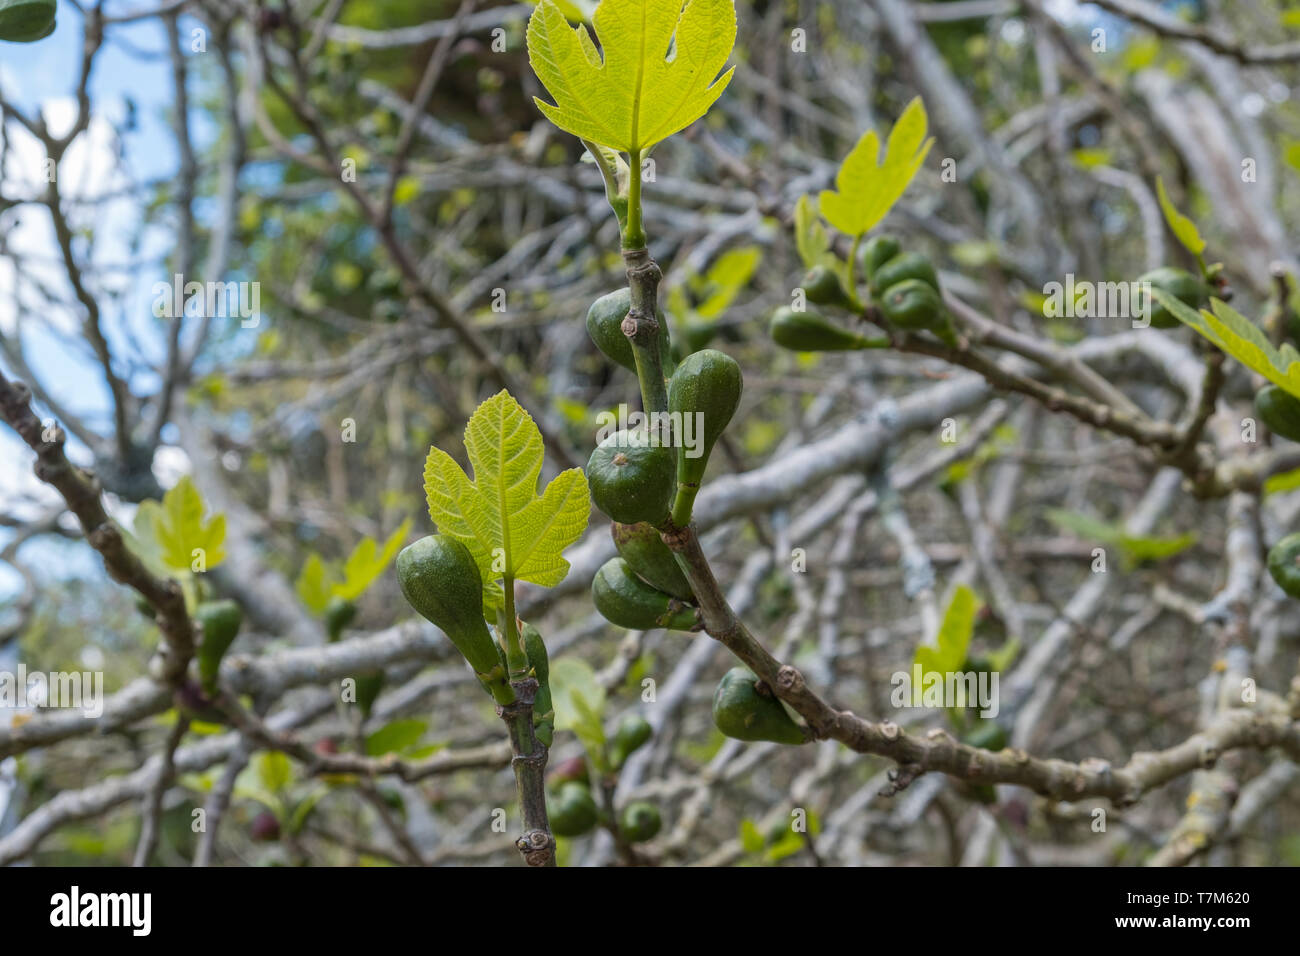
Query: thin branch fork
x,y
82,494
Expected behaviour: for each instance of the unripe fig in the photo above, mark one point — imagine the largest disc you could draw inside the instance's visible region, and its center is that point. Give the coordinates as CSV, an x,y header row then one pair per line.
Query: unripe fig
x,y
639,821
1179,283
572,811
440,579
1284,564
741,712
646,554
543,710
624,599
821,286
631,477
339,614
25,21
914,305
1279,410
219,622
876,251
808,331
631,734
707,384
369,684
605,326
906,265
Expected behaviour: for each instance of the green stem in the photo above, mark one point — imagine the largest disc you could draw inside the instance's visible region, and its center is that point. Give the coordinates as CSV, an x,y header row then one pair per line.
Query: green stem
x,y
851,272
633,233
684,504
516,659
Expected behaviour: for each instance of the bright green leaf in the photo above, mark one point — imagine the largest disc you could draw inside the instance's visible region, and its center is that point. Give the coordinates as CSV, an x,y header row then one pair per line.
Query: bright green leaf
x,y
498,515
579,703
1134,549
1184,229
726,277
314,585
1235,334
273,770
948,654
750,839
866,187
178,529
810,235
397,736
635,96
364,565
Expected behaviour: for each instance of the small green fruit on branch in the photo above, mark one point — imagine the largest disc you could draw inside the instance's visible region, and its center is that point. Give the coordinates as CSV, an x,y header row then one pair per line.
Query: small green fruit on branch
x,y
1179,283
1284,564
706,386
571,810
641,546
631,476
219,623
1277,409
809,331
605,326
744,712
640,821
624,599
26,21
539,663
440,579
632,733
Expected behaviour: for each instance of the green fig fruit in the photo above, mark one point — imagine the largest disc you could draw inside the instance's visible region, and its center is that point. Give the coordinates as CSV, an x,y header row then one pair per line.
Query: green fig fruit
x,y
808,331
440,579
605,326
219,622
572,811
624,599
876,251
369,684
653,562
26,21
1179,283
632,477
339,614
639,821
907,265
914,305
1284,564
543,710
1279,410
821,286
707,387
632,733
740,711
